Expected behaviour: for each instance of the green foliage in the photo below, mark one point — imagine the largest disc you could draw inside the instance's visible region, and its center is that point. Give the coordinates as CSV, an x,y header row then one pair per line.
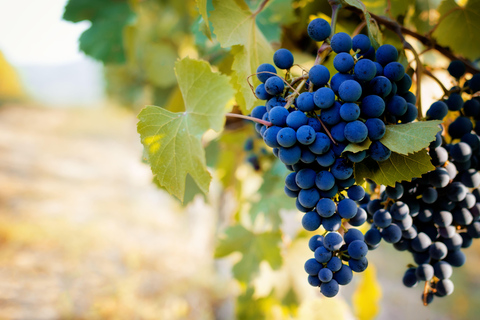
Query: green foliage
x,y
458,27
172,140
271,197
254,247
235,26
397,168
410,137
104,39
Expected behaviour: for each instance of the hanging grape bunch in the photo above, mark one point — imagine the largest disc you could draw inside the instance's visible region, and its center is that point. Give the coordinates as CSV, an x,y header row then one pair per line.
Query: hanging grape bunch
x,y
309,128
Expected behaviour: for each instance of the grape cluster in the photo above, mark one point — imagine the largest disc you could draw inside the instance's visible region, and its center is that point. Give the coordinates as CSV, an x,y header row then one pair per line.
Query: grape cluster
x,y
310,128
437,215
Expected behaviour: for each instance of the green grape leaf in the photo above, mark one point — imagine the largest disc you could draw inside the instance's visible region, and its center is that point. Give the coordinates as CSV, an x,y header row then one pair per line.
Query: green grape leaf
x,y
103,41
358,147
410,137
397,7
277,14
235,26
172,140
374,32
455,21
159,63
231,155
395,169
424,16
254,249
272,196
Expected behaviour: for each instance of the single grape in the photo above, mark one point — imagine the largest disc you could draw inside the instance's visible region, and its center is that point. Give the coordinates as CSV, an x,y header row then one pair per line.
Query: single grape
x,y
319,29
283,58
341,42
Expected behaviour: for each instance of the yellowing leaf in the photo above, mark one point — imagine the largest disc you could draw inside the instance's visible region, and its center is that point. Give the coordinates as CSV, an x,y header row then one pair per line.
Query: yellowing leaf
x,y
410,137
10,87
366,299
235,27
396,168
172,140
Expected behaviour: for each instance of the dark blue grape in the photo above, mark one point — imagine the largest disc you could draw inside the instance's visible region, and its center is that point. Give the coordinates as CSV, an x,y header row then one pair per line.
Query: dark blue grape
x,y
349,111
306,135
357,249
314,281
394,71
305,178
437,111
305,102
361,42
341,42
290,155
350,91
359,265
333,241
319,29
261,93
326,159
404,84
356,131
324,98
456,68
332,223
376,128
278,116
365,70
315,242
380,86
331,116
311,221
329,289
286,137
379,152
270,136
459,127
283,58
265,71
326,207
386,54
343,276
397,106
410,115
319,75
308,197
410,278
356,193
296,119
259,111
321,144
312,267
424,272
324,180
372,106
347,208
337,131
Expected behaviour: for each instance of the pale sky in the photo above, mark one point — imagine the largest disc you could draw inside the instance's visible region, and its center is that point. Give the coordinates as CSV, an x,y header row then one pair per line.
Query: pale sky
x,y
33,33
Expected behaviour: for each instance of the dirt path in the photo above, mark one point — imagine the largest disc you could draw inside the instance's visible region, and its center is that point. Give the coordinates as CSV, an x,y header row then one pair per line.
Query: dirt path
x,y
84,234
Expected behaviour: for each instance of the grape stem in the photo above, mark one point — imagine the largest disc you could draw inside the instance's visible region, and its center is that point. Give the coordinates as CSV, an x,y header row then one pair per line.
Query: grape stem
x,y
326,129
335,9
431,75
260,8
393,25
425,293
241,116
322,53
359,28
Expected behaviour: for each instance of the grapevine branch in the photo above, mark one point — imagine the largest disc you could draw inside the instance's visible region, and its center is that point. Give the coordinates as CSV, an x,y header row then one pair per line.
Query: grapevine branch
x,y
260,8
393,25
241,116
431,75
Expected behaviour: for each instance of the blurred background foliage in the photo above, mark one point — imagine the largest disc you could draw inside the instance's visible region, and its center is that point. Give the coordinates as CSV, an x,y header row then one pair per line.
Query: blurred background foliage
x,y
250,227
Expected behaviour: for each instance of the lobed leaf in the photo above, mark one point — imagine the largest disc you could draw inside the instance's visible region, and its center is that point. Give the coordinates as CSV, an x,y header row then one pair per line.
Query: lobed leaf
x,y
395,169
254,249
410,137
172,139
